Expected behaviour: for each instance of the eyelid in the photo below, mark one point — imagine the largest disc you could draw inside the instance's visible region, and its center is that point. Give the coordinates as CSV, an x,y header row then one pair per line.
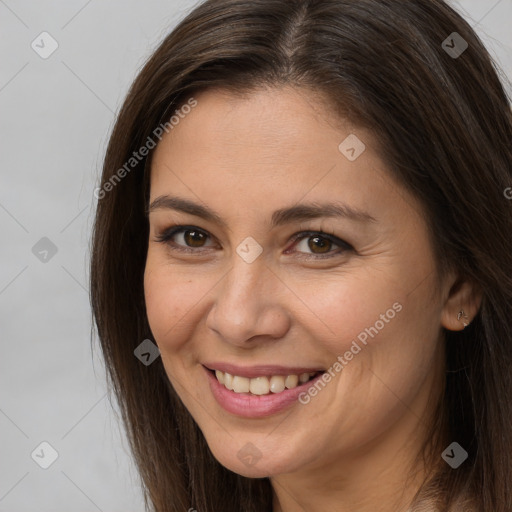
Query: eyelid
x,y
302,235
329,236
168,233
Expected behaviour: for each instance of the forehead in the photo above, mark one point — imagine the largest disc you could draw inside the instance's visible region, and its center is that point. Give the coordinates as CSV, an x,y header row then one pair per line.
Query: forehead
x,y
260,124
270,148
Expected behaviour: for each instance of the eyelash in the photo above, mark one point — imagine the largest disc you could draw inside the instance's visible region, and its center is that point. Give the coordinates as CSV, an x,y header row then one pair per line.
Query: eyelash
x,y
165,237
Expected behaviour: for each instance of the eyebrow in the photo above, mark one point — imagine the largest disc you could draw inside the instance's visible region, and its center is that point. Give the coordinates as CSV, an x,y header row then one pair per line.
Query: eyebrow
x,y
299,212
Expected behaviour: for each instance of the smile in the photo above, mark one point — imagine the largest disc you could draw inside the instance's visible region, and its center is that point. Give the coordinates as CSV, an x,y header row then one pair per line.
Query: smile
x,y
258,392
262,385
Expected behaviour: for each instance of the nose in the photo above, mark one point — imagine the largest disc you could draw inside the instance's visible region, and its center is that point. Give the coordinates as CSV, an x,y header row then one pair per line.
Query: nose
x,y
249,305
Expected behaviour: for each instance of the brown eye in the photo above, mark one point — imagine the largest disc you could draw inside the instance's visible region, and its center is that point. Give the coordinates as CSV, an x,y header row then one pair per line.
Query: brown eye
x,y
184,238
319,245
194,238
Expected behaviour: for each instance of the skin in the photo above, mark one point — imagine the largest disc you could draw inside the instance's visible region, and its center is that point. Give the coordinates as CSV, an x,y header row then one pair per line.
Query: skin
x,y
351,447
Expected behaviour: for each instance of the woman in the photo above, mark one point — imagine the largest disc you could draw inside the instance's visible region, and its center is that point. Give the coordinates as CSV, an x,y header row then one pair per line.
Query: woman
x,y
303,206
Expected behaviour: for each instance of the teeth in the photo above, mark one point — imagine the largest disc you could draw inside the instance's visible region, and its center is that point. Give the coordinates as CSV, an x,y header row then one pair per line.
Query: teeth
x,y
241,384
292,381
261,385
228,381
277,384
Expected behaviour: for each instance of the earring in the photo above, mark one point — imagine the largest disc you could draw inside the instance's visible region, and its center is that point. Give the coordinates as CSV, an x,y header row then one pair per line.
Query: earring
x,y
462,314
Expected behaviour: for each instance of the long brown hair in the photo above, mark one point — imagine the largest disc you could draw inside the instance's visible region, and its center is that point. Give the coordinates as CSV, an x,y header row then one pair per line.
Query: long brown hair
x,y
444,127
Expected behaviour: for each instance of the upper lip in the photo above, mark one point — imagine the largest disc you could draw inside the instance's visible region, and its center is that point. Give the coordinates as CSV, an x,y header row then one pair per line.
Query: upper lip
x,y
260,370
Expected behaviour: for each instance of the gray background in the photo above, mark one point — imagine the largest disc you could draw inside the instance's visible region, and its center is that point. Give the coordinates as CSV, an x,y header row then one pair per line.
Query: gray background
x,y
56,115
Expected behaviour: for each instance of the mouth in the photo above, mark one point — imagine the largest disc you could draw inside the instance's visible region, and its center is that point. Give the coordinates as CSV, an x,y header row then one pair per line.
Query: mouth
x,y
262,385
259,392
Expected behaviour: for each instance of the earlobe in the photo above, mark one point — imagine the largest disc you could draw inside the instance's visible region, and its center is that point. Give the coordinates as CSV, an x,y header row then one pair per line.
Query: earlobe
x,y
461,306
462,317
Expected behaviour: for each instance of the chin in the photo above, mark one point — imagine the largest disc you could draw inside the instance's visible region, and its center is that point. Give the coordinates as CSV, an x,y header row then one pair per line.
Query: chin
x,y
251,462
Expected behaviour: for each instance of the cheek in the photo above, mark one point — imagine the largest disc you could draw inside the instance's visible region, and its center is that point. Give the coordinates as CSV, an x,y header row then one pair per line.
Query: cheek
x,y
379,337
349,308
172,300
387,354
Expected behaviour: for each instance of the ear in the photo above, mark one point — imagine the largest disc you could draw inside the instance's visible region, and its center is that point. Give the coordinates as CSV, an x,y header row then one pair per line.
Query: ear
x,y
465,296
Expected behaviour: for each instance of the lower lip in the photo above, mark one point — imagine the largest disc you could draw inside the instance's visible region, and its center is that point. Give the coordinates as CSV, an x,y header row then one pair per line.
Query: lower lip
x,y
248,405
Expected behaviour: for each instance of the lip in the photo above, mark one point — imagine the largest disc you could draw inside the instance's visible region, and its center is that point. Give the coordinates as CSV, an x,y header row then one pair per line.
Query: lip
x,y
251,372
247,405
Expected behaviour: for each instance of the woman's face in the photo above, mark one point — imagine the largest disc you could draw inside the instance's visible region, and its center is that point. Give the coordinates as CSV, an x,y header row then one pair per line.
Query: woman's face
x,y
251,288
